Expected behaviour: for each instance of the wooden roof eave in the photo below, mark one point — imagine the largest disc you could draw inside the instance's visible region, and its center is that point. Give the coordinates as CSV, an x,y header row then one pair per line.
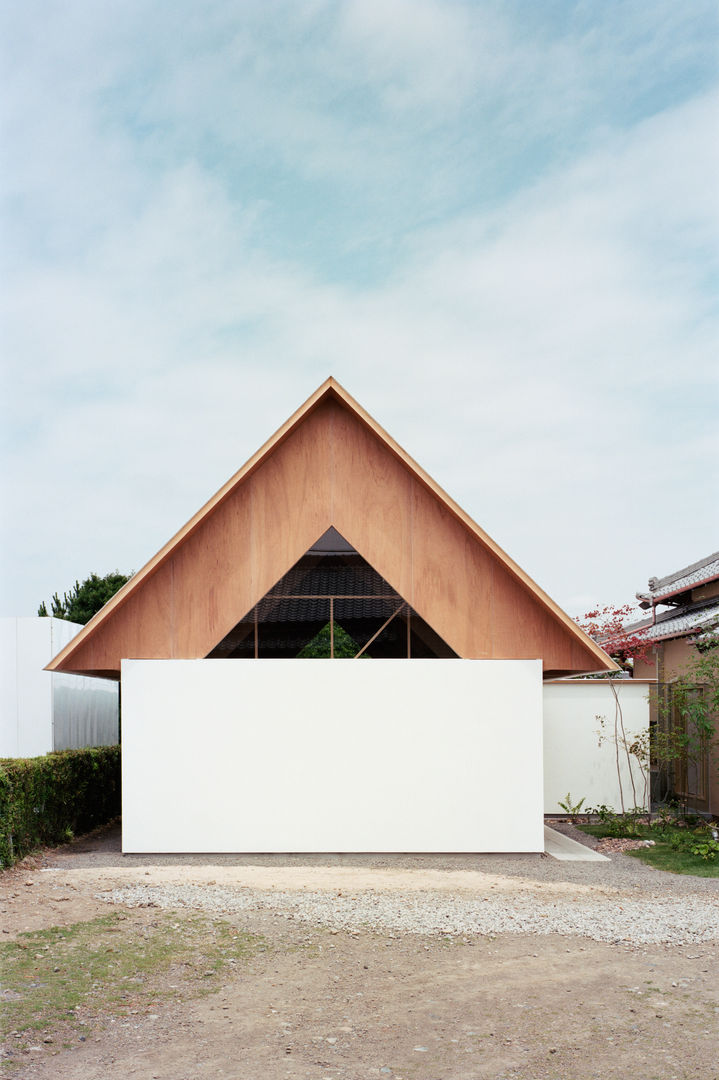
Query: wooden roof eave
x,y
606,663
329,388
58,663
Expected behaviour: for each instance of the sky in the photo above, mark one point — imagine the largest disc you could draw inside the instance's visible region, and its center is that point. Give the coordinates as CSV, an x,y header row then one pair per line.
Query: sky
x,y
494,222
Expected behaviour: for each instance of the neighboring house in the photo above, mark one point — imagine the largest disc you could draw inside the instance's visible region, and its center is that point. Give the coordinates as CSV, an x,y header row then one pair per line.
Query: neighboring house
x,y
684,616
331,523
42,711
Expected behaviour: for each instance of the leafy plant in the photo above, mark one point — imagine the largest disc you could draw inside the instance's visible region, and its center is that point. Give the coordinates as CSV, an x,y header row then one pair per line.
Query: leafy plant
x,y
571,808
667,818
705,849
630,823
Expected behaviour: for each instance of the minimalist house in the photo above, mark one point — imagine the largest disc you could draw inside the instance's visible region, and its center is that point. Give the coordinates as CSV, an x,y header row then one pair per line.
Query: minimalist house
x,y
331,533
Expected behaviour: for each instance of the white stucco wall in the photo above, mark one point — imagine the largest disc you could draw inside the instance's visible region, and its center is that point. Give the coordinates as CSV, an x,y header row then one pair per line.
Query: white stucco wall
x,y
312,755
574,762
40,710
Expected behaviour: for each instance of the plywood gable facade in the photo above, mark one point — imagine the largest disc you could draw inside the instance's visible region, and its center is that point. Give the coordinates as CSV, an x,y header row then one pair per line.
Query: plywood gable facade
x,y
330,465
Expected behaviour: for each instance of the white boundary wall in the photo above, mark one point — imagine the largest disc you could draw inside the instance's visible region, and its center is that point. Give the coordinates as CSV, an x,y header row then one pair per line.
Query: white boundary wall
x,y
41,710
312,755
573,759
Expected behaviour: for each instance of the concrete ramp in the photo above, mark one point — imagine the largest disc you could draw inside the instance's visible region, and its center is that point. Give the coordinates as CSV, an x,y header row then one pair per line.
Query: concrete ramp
x,y
565,849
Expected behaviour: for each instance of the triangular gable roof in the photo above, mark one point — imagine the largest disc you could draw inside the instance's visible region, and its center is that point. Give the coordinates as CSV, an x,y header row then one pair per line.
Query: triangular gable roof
x,y
330,464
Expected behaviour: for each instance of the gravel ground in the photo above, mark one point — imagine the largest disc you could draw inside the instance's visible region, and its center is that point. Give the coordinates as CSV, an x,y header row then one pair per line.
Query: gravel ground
x,y
654,920
102,850
622,900
619,873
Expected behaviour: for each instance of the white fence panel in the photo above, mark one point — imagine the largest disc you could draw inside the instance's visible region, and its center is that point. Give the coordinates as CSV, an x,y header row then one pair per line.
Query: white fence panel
x,y
301,755
574,760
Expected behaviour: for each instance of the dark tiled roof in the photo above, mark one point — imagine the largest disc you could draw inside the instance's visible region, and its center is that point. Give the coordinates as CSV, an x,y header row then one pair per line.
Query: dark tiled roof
x,y
679,622
331,577
687,578
314,609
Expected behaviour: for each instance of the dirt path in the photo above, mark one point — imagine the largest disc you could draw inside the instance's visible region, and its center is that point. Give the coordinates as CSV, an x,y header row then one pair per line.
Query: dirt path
x,y
315,1004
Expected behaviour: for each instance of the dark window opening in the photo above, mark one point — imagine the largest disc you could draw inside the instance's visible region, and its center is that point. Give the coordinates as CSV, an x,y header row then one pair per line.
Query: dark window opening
x,y
332,586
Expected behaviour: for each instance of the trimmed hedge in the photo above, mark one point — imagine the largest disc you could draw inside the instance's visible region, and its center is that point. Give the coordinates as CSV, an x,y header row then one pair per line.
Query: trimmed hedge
x,y
48,800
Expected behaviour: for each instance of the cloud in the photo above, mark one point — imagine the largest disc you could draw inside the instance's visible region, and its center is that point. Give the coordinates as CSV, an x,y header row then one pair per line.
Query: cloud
x,y
202,229
417,53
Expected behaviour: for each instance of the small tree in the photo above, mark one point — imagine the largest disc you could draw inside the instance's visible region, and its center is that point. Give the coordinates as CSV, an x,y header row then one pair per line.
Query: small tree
x,y
322,645
84,600
608,626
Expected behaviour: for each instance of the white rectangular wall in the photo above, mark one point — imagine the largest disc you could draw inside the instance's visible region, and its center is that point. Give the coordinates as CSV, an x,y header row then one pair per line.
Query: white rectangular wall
x,y
575,761
40,710
333,755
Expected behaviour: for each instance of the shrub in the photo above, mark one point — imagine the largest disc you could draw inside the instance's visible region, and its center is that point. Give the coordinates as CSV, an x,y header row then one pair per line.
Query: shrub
x,y
700,841
630,823
49,799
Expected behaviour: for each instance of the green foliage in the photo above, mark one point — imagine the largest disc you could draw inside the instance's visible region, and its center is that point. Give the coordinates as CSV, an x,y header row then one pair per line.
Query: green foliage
x,y
681,843
663,857
631,823
689,713
705,847
319,647
667,817
49,799
697,839
84,600
571,808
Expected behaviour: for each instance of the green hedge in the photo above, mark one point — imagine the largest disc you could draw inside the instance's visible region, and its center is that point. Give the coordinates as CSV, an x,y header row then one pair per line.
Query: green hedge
x,y
47,800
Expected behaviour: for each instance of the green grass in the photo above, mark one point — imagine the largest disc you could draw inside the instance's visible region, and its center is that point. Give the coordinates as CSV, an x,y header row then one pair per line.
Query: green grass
x,y
64,977
663,856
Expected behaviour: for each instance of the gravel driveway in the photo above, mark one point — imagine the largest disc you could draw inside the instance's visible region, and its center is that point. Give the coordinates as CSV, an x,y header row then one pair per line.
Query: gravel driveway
x,y
621,900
